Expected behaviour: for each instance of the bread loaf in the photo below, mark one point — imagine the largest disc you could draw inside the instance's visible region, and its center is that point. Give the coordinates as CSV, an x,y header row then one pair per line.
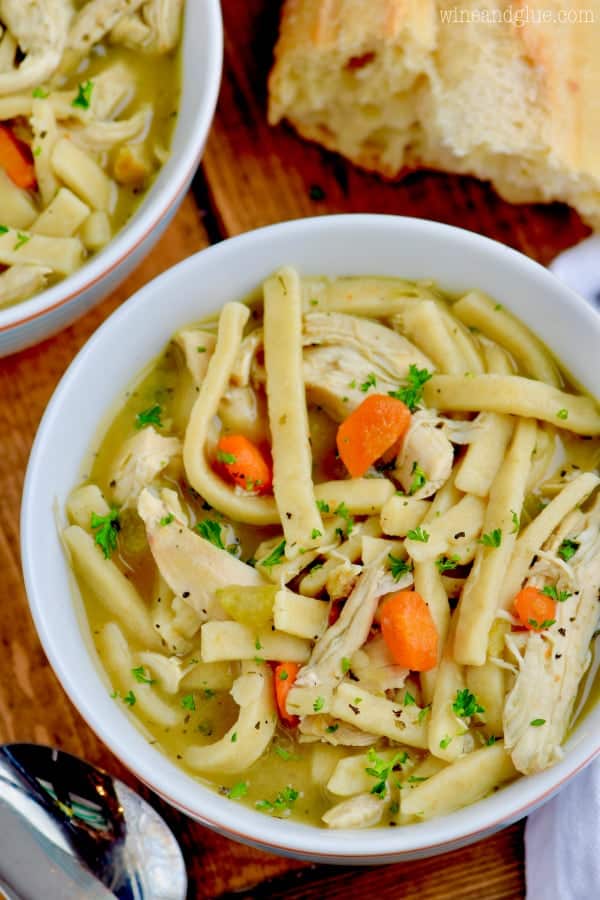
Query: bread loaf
x,y
506,91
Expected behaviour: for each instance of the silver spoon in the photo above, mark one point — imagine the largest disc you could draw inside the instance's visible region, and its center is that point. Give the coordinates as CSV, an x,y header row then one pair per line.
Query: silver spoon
x,y
69,830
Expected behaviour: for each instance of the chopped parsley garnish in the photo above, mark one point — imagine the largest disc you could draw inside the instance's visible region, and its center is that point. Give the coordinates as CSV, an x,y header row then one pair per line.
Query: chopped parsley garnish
x,y
227,458
411,392
381,770
150,416
240,789
284,754
315,533
343,513
445,741
423,713
369,383
345,664
492,538
106,529
234,737
210,531
398,567
84,95
490,741
139,673
316,192
282,802
568,549
322,506
331,729
209,693
39,93
129,698
418,534
560,596
415,779
4,229
515,521
284,675
188,702
319,704
466,704
257,644
537,722
540,626
419,478
166,520
274,557
563,414
21,240
447,562
409,700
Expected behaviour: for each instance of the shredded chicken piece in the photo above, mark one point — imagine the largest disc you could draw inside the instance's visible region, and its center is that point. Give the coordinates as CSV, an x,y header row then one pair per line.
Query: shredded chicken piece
x,y
20,282
425,449
40,28
555,660
192,567
93,21
375,669
324,668
332,731
344,357
156,27
99,136
141,459
362,811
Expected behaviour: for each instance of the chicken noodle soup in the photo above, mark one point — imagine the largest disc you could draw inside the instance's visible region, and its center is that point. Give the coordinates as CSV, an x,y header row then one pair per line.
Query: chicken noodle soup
x,y
89,93
339,550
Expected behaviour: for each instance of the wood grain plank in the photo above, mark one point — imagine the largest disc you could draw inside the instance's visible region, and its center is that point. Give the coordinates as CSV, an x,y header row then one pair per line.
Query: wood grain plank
x,y
488,870
259,175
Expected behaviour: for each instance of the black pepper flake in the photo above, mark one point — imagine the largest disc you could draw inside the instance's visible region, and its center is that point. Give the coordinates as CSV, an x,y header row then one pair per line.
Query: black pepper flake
x,y
112,483
397,713
562,631
257,726
288,515
185,595
354,709
557,655
459,535
572,619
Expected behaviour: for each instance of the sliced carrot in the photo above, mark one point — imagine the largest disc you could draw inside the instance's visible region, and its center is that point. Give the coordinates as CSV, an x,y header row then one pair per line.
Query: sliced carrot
x,y
245,463
370,430
535,609
285,676
16,159
409,631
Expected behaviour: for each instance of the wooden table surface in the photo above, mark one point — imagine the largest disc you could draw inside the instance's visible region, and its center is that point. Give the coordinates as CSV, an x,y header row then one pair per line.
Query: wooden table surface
x,y
251,175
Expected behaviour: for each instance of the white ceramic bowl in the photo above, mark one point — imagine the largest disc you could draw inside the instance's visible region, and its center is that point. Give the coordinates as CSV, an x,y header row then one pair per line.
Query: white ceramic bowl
x,y
33,320
337,245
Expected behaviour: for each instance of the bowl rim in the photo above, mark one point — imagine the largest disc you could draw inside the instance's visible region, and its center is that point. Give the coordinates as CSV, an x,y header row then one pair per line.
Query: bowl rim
x,y
377,845
153,208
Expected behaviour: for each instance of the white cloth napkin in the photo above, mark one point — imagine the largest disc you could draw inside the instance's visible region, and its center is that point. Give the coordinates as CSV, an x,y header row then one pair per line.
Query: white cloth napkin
x,y
562,842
